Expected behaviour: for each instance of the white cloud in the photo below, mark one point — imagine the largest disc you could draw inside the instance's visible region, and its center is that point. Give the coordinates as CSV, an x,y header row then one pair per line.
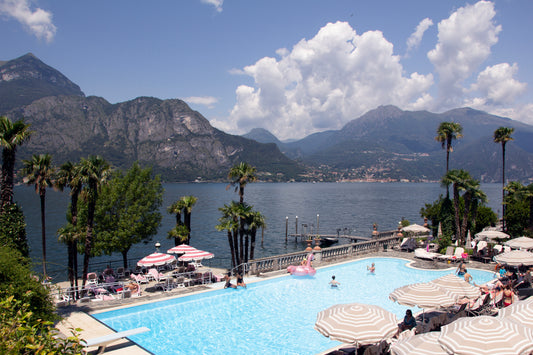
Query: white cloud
x,y
208,101
324,82
416,37
38,21
497,85
216,3
465,41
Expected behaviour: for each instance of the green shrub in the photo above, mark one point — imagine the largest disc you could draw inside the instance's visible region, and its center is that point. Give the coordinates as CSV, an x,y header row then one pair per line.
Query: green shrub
x,y
22,333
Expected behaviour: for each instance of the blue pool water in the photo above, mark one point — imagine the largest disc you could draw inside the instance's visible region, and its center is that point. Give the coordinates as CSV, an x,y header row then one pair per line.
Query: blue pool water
x,y
275,316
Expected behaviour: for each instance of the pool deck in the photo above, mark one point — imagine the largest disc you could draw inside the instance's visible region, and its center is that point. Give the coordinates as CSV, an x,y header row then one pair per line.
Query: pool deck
x,y
78,315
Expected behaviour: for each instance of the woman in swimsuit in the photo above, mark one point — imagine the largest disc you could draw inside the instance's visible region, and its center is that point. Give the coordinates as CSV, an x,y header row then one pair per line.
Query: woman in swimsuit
x,y
227,278
508,296
240,281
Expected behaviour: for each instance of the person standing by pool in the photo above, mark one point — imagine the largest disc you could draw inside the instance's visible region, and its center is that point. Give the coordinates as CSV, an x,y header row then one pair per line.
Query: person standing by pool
x,y
371,268
461,269
333,282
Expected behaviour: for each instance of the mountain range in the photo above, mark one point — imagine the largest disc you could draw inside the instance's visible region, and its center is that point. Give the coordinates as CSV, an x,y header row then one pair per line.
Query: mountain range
x,y
386,144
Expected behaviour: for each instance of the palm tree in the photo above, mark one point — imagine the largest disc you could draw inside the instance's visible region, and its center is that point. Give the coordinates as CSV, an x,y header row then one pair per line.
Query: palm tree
x,y
187,204
255,221
39,172
503,135
179,233
462,181
69,175
230,223
12,135
176,209
94,172
241,174
446,134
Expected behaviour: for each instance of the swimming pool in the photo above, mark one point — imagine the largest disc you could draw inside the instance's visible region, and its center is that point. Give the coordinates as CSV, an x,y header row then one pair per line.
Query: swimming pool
x,y
275,316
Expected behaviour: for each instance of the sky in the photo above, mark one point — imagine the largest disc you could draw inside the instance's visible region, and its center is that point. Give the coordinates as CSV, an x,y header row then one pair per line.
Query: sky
x,y
292,67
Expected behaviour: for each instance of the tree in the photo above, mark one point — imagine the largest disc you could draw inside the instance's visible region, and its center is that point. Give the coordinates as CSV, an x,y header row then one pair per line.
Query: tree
x,y
177,231
69,175
447,132
187,204
241,174
13,231
127,211
503,135
230,223
255,220
39,171
12,135
519,204
462,181
16,280
94,172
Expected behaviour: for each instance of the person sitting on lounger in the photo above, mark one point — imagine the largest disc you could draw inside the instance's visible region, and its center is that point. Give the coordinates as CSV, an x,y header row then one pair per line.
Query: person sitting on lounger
x,y
508,296
133,287
228,284
409,322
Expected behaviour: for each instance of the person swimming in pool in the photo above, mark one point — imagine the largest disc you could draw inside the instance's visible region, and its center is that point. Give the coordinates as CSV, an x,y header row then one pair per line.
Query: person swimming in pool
x,y
333,282
371,268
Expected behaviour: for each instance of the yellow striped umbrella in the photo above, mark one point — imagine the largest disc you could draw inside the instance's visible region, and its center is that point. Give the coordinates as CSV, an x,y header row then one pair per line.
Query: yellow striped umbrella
x,y
356,323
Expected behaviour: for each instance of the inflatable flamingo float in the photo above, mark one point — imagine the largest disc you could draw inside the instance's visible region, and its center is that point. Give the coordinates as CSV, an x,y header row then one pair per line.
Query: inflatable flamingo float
x,y
303,270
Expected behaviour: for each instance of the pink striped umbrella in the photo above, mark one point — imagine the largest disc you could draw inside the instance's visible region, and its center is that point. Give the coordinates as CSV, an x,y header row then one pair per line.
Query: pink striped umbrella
x,y
196,255
181,249
156,259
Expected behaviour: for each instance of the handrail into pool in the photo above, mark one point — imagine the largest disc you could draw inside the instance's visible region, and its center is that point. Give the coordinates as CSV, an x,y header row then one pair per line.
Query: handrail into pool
x,y
280,262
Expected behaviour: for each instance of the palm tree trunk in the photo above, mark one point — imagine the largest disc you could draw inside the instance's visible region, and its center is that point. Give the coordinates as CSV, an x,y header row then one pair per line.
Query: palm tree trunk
x,y
456,211
503,187
464,222
8,168
89,238
43,231
236,247
232,248
177,240
252,243
241,240
246,244
187,220
70,263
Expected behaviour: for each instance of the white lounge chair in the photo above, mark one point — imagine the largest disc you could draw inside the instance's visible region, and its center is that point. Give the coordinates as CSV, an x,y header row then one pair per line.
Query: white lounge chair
x,y
105,340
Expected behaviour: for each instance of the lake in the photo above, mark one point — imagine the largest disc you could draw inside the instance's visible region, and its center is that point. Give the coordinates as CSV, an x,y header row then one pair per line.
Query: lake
x,y
353,207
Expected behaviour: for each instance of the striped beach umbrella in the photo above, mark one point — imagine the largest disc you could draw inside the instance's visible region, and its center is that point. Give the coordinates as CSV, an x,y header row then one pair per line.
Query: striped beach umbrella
x,y
423,295
486,335
156,259
457,286
420,344
181,249
515,258
520,312
520,242
490,235
356,323
196,255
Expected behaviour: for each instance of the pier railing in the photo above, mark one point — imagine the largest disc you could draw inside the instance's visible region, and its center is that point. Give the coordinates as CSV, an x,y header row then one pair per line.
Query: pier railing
x,y
386,240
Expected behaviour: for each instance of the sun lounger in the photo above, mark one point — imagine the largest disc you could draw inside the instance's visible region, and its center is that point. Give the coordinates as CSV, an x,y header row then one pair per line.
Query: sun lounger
x,y
448,255
421,253
105,340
